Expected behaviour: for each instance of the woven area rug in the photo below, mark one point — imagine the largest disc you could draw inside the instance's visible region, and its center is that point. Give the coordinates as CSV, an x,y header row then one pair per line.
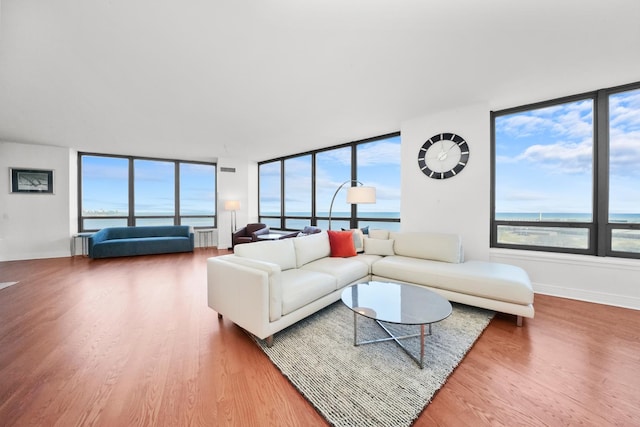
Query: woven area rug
x,y
372,384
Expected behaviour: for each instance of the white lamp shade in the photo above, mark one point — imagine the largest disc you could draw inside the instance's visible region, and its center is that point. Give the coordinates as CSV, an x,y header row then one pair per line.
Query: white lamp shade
x,y
232,205
361,194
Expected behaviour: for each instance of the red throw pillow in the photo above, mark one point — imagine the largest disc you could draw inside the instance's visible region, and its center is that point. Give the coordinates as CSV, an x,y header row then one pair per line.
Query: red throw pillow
x,y
341,243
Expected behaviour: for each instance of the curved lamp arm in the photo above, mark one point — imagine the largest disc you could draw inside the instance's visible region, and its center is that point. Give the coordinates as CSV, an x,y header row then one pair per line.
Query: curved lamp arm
x,y
370,197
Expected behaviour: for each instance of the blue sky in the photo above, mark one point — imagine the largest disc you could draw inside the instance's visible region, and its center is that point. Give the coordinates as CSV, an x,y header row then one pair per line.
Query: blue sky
x,y
624,188
543,164
105,186
544,158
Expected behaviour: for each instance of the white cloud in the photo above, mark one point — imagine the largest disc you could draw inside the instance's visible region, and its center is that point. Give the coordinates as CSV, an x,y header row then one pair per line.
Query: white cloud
x,y
340,156
573,120
381,153
560,157
624,111
625,152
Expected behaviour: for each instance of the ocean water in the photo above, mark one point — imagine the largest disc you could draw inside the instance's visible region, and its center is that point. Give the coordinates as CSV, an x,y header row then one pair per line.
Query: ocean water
x,y
565,217
338,221
99,223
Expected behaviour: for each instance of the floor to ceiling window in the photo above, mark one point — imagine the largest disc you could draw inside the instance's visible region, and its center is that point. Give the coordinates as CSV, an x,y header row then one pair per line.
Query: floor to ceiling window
x,y
104,194
378,165
270,184
566,174
197,194
154,192
297,190
333,168
121,191
624,172
297,198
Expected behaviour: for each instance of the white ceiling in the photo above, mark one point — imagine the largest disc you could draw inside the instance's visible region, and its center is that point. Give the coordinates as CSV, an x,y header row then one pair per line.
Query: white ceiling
x,y
202,79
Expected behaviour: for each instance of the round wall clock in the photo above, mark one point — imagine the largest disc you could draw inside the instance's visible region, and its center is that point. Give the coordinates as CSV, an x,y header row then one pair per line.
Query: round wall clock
x,y
443,155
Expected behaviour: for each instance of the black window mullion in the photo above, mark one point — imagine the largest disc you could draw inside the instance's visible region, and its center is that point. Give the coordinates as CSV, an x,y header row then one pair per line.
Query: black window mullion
x,y
80,216
176,195
602,235
353,221
314,219
282,190
131,218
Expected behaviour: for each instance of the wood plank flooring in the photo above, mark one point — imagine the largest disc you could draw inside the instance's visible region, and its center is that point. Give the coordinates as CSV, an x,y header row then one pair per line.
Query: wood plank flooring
x,y
131,342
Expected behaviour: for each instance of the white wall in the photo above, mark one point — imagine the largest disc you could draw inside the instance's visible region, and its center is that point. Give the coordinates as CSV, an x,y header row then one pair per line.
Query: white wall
x,y
462,205
454,205
235,186
36,225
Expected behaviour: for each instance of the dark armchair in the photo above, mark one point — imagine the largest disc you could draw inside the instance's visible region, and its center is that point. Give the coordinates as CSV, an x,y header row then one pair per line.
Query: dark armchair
x,y
249,233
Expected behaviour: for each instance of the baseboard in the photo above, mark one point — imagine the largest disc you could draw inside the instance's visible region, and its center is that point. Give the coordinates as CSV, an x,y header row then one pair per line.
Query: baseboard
x,y
624,301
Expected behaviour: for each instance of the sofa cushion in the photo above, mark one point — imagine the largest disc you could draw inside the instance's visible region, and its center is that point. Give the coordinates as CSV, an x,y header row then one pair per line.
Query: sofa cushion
x,y
310,248
345,270
368,259
279,252
501,282
132,246
382,247
147,231
426,245
377,233
301,287
341,243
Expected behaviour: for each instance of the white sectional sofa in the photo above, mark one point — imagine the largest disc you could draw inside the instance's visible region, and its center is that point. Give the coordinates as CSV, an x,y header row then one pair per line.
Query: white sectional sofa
x,y
265,287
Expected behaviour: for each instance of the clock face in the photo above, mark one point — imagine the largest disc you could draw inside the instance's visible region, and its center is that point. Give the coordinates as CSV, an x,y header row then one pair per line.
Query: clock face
x,y
443,155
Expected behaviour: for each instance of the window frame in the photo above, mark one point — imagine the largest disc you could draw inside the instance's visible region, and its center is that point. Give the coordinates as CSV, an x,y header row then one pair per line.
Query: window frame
x,y
600,229
353,219
131,217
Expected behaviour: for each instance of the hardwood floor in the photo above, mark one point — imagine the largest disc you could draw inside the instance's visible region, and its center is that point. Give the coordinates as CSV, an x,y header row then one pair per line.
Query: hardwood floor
x,y
131,342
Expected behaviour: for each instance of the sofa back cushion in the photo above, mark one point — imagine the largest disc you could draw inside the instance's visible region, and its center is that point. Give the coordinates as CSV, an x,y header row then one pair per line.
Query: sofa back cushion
x,y
312,247
280,252
425,245
146,231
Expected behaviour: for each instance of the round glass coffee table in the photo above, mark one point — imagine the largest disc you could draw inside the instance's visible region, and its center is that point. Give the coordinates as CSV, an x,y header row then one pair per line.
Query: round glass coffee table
x,y
396,303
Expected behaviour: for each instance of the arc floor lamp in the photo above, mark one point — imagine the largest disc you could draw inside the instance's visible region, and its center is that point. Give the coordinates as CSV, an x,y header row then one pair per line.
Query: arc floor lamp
x,y
355,195
233,206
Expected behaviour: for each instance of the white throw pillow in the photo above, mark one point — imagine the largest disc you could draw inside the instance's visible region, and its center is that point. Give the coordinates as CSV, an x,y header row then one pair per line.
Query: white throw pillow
x,y
377,233
382,247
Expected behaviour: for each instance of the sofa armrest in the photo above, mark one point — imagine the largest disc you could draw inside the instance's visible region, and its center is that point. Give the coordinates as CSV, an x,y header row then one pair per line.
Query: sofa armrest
x,y
98,236
247,291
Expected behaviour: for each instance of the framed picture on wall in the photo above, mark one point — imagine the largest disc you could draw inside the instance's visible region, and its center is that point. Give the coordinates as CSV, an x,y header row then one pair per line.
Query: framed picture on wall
x,y
31,181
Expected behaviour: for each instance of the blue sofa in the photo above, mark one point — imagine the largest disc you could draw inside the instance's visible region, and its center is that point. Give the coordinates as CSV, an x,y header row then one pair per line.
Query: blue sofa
x,y
130,241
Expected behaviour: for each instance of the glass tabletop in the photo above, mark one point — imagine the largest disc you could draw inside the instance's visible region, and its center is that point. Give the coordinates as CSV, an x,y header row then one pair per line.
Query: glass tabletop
x,y
396,303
